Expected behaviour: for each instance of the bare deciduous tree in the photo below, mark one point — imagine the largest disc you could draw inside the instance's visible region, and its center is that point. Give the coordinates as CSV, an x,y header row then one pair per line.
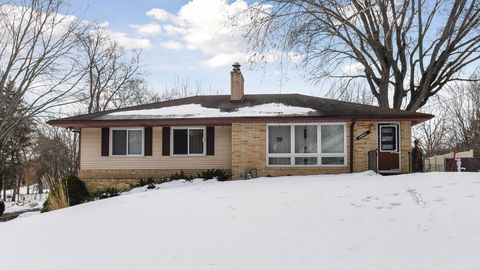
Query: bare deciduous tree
x,y
406,51
435,134
352,92
464,114
37,55
56,153
110,69
134,92
456,126
180,88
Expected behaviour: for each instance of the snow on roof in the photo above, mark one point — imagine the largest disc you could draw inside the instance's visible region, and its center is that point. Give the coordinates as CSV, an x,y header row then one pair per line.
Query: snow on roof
x,y
198,111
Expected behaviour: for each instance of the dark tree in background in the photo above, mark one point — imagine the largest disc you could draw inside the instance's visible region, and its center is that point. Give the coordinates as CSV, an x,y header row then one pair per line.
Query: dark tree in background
x,y
14,151
38,54
405,51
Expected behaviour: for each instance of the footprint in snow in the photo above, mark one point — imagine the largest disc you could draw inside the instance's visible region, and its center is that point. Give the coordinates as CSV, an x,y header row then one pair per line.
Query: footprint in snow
x,y
369,198
356,205
470,196
379,207
437,186
438,199
394,194
395,204
454,183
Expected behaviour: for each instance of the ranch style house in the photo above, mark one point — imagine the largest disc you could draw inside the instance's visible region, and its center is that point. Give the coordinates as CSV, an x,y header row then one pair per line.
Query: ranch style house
x,y
250,135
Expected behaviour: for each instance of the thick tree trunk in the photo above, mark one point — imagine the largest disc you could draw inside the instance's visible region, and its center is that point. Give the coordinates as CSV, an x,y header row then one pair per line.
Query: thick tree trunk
x,y
14,190
2,180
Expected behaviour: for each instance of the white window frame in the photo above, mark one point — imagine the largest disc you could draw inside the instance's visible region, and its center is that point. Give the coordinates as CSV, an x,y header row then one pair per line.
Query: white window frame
x,y
292,155
127,129
188,128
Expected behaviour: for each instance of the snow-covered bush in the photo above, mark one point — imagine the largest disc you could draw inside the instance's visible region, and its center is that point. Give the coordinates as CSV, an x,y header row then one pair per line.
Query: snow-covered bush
x,y
180,176
104,194
218,174
149,182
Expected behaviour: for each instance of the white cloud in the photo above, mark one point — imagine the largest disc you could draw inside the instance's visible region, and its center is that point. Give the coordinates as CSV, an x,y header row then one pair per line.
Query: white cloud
x,y
172,45
149,29
223,59
103,24
353,69
129,42
206,25
159,14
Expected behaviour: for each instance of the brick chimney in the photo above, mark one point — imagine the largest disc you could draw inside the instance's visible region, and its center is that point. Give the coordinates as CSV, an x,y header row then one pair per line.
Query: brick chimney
x,y
236,83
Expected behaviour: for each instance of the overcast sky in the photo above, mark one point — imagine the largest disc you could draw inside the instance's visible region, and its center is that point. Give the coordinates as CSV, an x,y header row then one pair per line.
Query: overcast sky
x,y
189,39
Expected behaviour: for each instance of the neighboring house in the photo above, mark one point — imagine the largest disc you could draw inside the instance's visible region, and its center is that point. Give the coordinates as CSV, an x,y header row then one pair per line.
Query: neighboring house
x,y
266,135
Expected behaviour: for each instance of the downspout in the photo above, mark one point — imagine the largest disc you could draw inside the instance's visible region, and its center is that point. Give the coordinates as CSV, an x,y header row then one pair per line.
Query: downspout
x,y
352,126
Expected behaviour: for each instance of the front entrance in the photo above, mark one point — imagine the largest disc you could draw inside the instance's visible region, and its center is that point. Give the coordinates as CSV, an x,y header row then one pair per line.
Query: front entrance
x,y
388,147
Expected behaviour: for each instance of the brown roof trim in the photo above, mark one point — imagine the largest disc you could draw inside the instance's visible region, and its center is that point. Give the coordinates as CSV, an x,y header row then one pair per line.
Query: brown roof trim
x,y
225,121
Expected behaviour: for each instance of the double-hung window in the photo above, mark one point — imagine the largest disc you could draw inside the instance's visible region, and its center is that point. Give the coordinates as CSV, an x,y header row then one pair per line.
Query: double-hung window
x,y
306,144
127,141
188,141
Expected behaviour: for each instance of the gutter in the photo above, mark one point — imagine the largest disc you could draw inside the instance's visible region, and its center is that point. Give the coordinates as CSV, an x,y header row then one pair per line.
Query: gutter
x,y
352,126
72,123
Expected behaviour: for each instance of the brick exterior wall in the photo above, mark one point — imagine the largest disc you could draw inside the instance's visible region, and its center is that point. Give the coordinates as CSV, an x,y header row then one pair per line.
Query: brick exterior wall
x,y
248,151
236,84
124,179
363,146
369,143
405,144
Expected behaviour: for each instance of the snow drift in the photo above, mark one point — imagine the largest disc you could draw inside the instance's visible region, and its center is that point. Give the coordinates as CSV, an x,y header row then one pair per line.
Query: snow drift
x,y
357,221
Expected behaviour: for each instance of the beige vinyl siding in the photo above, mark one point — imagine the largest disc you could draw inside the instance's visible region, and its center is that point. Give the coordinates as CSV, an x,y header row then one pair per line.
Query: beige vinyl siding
x,y
91,158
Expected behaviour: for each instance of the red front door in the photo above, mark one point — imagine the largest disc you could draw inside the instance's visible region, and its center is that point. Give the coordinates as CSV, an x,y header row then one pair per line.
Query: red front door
x,y
388,147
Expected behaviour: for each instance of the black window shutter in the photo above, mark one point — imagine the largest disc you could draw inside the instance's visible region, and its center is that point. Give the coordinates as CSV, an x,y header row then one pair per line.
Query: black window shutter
x,y
105,141
166,141
148,141
210,141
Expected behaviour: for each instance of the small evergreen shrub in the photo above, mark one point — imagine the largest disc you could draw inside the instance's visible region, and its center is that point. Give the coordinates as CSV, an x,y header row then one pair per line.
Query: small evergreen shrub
x,y
146,182
179,176
109,193
104,194
76,190
219,174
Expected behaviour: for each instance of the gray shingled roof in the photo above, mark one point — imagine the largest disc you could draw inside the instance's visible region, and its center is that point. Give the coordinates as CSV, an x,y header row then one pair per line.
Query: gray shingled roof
x,y
321,107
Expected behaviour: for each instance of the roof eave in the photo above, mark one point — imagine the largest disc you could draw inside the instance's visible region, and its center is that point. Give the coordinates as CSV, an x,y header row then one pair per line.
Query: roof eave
x,y
74,124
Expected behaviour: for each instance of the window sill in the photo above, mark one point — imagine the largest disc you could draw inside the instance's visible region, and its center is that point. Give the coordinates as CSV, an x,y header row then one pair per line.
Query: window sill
x,y
190,155
123,156
305,166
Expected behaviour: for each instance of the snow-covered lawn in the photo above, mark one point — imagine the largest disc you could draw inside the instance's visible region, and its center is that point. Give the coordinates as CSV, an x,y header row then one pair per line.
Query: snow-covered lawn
x,y
26,202
356,221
